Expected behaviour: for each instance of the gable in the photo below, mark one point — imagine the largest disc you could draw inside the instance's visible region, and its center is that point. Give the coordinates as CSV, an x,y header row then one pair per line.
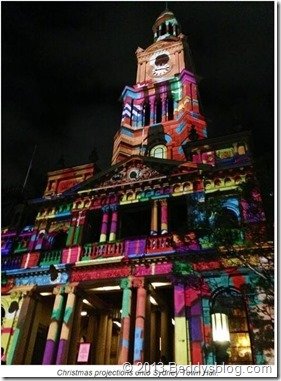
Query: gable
x,y
132,170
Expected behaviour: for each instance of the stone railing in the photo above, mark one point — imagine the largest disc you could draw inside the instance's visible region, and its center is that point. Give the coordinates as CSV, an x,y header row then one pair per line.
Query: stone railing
x,y
51,257
159,244
11,262
102,250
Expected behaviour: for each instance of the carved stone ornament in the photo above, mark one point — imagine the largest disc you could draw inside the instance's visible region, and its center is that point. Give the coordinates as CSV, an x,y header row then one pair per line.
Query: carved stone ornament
x,y
131,173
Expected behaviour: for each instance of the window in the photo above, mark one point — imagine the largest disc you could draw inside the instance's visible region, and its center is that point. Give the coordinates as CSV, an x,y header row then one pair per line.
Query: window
x,y
170,108
159,151
146,113
230,316
134,222
158,111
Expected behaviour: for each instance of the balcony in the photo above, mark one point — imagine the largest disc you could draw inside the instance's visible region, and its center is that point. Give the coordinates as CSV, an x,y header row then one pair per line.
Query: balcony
x,y
11,262
52,257
97,250
157,245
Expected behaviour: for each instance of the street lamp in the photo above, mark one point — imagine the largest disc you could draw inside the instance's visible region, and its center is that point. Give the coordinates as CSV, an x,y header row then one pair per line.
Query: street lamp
x,y
221,336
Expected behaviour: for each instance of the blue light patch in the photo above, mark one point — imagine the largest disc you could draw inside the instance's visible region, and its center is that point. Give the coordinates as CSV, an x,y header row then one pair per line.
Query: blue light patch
x,y
180,128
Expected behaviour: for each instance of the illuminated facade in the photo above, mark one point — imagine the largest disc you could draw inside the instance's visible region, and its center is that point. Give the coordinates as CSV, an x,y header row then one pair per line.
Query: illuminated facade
x,y
126,259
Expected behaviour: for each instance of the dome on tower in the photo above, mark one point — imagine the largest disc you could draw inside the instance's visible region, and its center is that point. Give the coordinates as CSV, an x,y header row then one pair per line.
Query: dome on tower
x,y
166,26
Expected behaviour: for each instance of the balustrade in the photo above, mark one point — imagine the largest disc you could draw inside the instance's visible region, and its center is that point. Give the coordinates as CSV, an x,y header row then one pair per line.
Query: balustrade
x,y
159,244
50,258
11,262
95,250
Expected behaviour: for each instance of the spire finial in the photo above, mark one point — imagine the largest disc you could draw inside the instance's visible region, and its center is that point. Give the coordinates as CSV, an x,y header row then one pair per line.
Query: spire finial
x,y
166,6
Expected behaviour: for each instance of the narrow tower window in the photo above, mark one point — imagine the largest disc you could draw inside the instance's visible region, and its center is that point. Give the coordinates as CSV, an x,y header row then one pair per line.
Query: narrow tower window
x,y
158,111
170,108
131,115
170,28
146,113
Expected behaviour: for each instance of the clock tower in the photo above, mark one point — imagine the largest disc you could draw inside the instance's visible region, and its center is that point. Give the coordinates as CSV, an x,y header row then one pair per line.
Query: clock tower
x,y
161,111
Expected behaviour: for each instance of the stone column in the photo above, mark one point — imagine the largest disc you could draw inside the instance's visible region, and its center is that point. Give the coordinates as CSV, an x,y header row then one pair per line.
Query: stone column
x,y
113,225
75,330
164,107
153,342
140,320
209,355
154,218
104,224
33,333
123,356
164,217
79,227
63,347
108,341
53,333
152,109
16,349
71,230
182,352
164,334
92,336
101,344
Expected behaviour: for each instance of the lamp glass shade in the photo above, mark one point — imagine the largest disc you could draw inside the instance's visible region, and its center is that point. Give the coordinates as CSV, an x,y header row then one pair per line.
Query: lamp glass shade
x,y
220,327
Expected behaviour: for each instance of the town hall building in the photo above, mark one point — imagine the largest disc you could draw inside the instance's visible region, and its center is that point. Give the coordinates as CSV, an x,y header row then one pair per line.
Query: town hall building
x,y
162,256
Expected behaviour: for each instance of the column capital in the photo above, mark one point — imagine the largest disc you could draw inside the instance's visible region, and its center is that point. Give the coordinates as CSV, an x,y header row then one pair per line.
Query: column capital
x,y
71,288
138,282
126,283
58,290
114,207
105,208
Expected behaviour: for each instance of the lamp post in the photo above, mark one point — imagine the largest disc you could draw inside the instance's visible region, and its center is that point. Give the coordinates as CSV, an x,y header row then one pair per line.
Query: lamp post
x,y
221,336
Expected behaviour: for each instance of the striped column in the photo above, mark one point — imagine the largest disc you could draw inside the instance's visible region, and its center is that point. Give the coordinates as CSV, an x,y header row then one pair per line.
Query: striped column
x,y
182,351
140,320
154,229
104,224
152,109
113,225
164,217
123,357
79,227
66,327
71,230
16,350
53,333
164,107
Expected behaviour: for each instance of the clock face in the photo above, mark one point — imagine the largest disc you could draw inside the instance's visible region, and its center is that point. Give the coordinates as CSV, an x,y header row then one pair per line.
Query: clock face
x,y
160,62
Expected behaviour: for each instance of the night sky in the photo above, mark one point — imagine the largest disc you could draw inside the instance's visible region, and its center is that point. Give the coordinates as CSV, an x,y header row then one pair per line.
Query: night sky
x,y
65,64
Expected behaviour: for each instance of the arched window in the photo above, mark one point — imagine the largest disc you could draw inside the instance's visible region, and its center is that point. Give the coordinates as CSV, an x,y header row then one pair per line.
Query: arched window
x,y
226,218
159,151
131,115
230,329
170,28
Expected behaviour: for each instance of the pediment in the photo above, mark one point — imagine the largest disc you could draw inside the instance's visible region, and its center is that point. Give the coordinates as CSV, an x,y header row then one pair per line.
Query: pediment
x,y
132,170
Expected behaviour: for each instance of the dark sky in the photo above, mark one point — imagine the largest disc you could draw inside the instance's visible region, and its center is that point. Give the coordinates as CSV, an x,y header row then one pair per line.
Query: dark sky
x,y
65,64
